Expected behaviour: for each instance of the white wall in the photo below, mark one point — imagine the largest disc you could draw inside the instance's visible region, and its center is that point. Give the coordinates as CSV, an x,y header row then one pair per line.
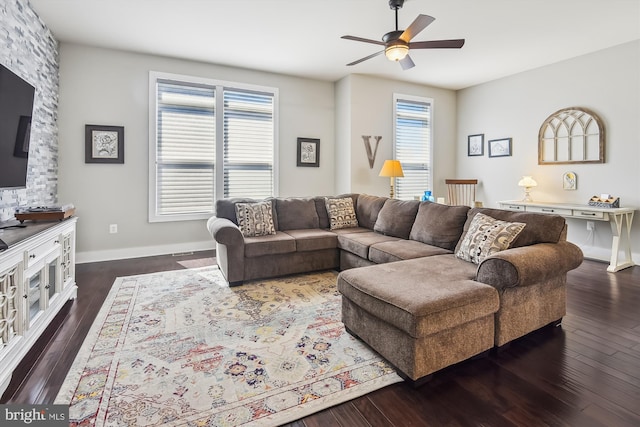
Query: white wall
x,y
608,83
108,87
369,106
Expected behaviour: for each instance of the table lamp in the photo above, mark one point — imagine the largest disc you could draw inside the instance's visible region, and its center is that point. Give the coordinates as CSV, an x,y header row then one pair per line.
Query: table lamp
x,y
392,169
527,182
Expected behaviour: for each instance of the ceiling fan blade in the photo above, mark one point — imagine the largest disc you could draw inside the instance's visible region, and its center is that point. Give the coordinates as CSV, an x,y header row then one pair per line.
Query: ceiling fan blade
x,y
407,63
438,44
365,58
418,24
360,39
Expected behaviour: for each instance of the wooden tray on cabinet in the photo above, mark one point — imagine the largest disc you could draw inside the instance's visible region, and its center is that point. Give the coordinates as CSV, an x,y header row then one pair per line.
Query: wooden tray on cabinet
x,y
45,216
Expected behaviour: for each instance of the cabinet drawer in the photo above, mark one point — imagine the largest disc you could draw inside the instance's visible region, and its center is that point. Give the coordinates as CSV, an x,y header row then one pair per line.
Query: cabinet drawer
x,y
589,214
509,207
550,210
35,254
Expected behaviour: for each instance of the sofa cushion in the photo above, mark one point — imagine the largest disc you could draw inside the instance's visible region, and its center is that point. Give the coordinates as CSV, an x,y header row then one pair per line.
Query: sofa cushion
x,y
399,250
255,219
313,239
341,213
367,209
296,213
359,243
351,230
278,243
420,296
321,210
439,225
226,208
396,217
486,236
541,228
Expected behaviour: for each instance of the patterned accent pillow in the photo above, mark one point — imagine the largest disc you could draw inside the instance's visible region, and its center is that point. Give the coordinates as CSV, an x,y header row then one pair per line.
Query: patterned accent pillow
x,y
255,219
341,213
486,236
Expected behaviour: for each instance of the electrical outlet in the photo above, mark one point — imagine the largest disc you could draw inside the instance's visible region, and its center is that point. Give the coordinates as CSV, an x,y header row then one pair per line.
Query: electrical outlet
x,y
591,225
113,228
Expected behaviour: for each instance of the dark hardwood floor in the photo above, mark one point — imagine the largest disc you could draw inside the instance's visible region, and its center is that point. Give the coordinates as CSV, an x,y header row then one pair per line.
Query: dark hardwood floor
x,y
584,373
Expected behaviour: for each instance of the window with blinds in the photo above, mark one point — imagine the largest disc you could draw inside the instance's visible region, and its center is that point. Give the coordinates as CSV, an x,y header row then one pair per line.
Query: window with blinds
x,y
413,144
208,140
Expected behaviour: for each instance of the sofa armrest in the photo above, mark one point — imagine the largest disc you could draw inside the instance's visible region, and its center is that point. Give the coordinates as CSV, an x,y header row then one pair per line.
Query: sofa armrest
x,y
225,231
528,265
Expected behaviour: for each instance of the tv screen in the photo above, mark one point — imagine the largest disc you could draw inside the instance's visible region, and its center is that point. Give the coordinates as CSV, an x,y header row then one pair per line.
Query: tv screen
x,y
16,108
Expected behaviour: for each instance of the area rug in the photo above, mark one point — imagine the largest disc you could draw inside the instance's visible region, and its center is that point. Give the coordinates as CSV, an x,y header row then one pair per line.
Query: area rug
x,y
182,348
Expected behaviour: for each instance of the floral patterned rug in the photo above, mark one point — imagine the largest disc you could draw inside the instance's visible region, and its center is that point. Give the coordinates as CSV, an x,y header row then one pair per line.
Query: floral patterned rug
x,y
182,348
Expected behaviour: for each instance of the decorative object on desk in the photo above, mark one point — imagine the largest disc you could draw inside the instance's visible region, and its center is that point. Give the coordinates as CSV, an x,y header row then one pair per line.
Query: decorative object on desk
x,y
104,144
371,153
308,152
392,169
571,135
500,147
428,196
528,183
569,181
475,145
605,201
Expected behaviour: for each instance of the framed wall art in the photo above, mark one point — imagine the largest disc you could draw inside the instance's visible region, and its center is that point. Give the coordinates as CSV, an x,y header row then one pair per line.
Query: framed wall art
x,y
475,145
308,152
569,181
500,147
104,144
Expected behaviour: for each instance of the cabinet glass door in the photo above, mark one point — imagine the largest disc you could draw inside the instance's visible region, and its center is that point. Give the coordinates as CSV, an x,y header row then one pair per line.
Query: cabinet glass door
x,y
34,294
52,282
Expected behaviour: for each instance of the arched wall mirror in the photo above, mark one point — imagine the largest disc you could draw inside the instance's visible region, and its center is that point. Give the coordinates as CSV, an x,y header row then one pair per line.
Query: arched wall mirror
x,y
571,135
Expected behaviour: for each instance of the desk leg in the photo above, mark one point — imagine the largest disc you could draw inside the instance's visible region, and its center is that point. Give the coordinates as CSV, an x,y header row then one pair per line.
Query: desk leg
x,y
617,222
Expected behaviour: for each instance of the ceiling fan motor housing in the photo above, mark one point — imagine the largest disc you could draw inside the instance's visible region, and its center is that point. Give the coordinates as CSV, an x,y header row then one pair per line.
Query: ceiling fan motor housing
x,y
396,4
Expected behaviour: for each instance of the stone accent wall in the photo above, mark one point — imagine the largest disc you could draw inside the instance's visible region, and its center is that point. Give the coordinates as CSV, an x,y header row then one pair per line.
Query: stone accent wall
x,y
28,48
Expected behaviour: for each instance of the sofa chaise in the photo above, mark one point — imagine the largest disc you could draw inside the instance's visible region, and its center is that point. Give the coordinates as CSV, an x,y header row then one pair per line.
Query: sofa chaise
x,y
426,285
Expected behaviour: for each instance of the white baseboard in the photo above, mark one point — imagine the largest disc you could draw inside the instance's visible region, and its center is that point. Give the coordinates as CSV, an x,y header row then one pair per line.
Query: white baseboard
x,y
142,251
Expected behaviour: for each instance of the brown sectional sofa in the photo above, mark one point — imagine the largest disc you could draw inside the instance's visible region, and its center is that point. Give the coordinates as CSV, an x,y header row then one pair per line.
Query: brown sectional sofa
x,y
405,292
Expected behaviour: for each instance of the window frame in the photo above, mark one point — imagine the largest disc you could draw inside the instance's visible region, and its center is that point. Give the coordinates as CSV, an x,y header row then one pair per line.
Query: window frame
x,y
424,100
219,86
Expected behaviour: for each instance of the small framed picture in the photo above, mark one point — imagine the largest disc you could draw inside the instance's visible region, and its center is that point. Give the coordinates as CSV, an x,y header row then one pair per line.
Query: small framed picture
x,y
475,145
308,152
569,181
500,147
104,144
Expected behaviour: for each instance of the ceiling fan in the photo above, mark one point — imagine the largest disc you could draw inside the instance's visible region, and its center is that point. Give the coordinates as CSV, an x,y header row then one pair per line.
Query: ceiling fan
x,y
397,43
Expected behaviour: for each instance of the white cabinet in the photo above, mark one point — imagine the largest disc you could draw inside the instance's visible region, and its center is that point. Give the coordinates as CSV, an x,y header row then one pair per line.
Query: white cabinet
x,y
36,279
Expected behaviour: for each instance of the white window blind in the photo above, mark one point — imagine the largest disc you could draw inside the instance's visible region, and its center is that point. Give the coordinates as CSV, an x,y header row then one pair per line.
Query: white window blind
x,y
412,145
185,163
209,140
248,144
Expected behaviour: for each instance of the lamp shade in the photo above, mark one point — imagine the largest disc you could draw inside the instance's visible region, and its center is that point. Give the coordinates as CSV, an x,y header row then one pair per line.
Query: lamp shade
x,y
527,181
392,168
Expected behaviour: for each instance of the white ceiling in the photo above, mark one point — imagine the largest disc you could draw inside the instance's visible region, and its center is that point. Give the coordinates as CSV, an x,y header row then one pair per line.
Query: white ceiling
x,y
302,37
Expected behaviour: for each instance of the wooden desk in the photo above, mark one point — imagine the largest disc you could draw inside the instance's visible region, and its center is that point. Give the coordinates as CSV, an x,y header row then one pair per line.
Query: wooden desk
x,y
617,217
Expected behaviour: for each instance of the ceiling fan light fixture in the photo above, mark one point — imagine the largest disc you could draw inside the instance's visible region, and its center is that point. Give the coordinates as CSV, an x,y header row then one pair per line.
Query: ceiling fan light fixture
x,y
396,52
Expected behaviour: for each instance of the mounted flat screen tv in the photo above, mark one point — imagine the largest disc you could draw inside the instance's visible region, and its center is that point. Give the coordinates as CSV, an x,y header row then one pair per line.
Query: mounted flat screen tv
x,y
16,109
